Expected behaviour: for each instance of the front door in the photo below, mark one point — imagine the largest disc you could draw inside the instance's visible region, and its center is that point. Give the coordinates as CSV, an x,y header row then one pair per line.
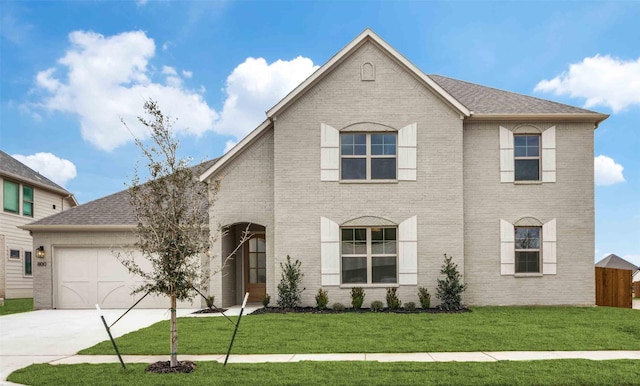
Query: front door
x,y
255,268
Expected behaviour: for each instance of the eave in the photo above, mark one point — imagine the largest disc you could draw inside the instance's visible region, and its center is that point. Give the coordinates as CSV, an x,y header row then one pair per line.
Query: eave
x,y
595,118
40,185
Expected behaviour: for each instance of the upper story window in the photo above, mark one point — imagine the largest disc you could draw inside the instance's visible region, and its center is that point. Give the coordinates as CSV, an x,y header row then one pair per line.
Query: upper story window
x,y
370,156
27,201
11,201
369,255
527,157
11,197
527,249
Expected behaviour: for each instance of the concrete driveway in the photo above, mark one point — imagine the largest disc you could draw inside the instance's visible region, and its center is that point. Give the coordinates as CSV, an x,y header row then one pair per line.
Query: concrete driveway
x,y
46,335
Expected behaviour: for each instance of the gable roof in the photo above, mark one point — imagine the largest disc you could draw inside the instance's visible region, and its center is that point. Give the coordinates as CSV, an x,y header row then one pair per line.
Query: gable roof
x,y
113,212
365,36
472,101
16,170
488,101
614,261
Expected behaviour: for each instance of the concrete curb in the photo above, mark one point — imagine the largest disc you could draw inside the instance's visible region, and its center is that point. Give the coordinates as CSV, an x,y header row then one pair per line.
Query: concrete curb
x,y
489,356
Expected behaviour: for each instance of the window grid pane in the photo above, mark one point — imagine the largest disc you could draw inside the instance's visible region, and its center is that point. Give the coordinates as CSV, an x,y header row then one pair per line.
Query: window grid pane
x,y
527,157
368,156
369,255
527,249
27,264
11,196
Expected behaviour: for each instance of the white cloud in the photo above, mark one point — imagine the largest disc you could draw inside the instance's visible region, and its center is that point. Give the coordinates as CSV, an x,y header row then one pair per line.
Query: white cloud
x,y
167,70
255,86
229,145
141,3
607,171
187,74
633,258
56,169
601,80
102,79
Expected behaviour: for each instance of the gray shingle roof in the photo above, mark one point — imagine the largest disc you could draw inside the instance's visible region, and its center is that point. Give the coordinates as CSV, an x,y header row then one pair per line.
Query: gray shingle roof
x,y
614,261
486,100
11,167
114,209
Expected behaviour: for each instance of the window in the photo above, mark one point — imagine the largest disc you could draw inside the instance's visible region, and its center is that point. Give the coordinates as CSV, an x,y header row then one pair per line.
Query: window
x,y
11,197
27,263
527,248
369,255
27,201
527,157
368,156
14,254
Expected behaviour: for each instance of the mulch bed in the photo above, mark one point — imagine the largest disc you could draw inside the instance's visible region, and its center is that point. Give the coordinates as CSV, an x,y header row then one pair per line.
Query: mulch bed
x,y
164,367
315,310
210,311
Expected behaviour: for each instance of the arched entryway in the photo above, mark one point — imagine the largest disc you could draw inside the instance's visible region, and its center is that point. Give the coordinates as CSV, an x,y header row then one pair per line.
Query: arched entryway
x,y
245,270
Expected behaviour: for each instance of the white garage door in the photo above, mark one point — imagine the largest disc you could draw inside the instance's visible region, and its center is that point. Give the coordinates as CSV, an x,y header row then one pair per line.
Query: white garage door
x,y
89,276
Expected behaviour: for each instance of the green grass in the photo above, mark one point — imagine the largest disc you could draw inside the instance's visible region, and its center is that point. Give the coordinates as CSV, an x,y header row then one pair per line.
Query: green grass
x,y
14,306
484,329
553,372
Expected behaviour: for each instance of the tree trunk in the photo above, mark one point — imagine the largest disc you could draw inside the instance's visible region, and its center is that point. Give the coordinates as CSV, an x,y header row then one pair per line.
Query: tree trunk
x,y
174,332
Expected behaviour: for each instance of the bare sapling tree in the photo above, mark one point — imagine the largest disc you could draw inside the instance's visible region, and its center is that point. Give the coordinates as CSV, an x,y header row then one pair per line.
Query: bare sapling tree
x,y
170,208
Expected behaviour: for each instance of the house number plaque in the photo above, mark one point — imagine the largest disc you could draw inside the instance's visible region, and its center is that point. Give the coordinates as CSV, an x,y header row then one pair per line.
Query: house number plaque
x,y
42,263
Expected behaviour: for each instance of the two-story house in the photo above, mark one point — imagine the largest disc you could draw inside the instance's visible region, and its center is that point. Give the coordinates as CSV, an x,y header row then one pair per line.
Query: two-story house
x,y
368,173
26,196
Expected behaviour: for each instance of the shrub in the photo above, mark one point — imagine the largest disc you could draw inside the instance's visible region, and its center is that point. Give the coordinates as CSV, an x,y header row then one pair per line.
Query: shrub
x,y
357,297
210,301
289,288
337,307
392,299
411,306
450,288
266,299
322,298
425,297
377,306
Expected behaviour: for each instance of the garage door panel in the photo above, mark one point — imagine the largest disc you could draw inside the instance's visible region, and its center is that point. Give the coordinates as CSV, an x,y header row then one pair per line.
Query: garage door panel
x,y
75,295
113,294
86,276
110,269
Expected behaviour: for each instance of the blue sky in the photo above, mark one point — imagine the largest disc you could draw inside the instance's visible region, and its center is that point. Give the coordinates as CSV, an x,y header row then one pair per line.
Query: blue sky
x,y
70,70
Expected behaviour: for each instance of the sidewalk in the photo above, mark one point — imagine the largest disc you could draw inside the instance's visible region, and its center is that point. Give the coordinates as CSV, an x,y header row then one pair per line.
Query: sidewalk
x,y
489,356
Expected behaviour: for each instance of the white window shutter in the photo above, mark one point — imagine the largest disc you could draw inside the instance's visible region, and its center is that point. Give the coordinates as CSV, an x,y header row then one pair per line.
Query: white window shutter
x,y
507,248
329,252
408,251
549,155
329,153
407,152
506,155
549,248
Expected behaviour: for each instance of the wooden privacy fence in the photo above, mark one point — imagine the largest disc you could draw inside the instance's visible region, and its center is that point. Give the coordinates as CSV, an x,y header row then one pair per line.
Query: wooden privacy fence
x,y
636,289
613,287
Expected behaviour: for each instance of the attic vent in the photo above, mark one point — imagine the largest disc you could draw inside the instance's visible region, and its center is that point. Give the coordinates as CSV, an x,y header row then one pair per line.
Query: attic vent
x,y
368,72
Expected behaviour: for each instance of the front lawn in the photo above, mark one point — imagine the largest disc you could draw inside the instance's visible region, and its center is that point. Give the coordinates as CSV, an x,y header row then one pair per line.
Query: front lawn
x,y
552,372
484,329
14,306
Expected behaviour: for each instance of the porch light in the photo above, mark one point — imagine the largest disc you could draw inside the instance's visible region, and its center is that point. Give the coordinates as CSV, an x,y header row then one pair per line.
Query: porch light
x,y
40,252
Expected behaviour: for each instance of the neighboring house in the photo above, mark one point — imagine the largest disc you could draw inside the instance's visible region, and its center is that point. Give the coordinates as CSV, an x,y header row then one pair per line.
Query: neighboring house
x,y
26,196
81,245
370,171
614,261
